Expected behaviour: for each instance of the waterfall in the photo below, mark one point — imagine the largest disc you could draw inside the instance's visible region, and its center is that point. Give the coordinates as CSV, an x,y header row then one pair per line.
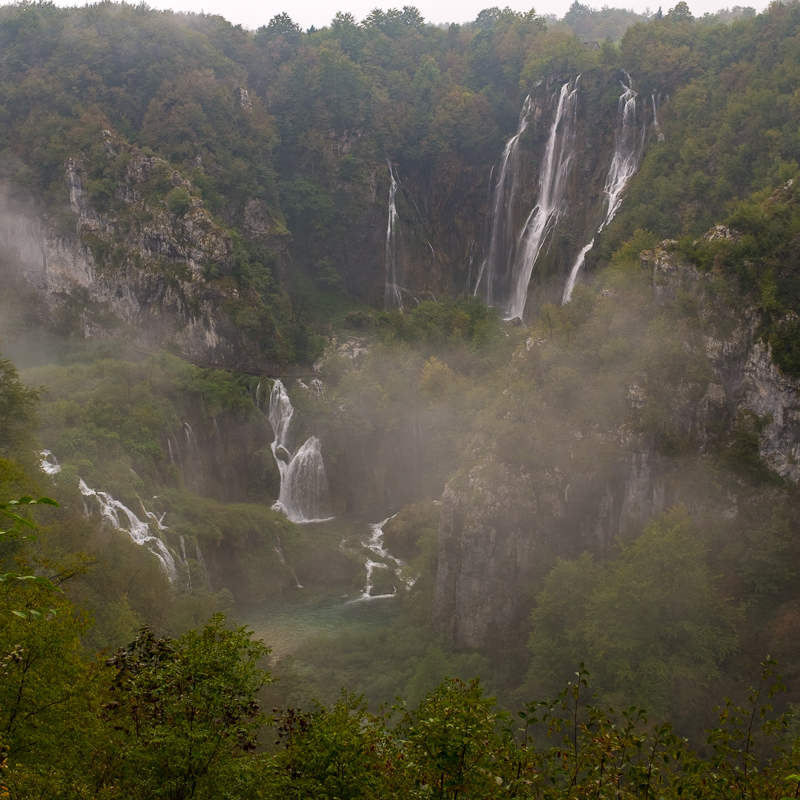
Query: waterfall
x,y
49,463
628,147
549,203
202,562
123,519
496,267
392,292
303,494
186,561
194,466
656,98
279,551
375,547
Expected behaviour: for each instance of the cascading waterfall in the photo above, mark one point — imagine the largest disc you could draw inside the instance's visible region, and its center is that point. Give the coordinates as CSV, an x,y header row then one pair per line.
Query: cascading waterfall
x,y
375,547
114,512
494,275
393,291
303,494
628,146
548,210
49,463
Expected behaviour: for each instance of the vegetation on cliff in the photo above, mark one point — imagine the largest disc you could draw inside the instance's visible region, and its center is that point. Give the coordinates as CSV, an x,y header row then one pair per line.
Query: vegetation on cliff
x,y
602,484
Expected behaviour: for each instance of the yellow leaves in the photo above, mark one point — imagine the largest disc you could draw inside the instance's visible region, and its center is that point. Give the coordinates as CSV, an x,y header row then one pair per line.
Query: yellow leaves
x,y
436,379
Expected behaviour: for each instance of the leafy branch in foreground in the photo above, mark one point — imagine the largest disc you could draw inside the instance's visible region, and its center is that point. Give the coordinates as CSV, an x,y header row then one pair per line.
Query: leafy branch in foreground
x,y
9,511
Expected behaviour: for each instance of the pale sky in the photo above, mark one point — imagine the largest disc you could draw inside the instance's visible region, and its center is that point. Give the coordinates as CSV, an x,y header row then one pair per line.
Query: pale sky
x,y
254,13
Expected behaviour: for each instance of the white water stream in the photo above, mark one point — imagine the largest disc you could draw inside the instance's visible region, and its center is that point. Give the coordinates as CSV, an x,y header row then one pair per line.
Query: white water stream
x,y
495,273
303,495
393,291
628,146
123,519
549,206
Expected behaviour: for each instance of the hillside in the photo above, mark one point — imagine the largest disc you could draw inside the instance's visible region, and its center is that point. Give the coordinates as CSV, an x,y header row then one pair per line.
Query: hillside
x,y
424,352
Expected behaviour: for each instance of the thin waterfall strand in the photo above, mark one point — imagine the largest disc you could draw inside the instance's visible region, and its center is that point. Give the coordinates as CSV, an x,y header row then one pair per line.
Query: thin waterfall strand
x,y
393,291
628,147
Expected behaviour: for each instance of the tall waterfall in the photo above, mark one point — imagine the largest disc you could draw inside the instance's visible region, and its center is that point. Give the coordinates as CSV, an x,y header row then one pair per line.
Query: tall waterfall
x,y
628,145
303,494
495,272
549,205
123,519
507,270
392,293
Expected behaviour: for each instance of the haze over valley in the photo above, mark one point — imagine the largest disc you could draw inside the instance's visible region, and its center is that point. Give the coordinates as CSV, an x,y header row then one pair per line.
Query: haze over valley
x,y
391,362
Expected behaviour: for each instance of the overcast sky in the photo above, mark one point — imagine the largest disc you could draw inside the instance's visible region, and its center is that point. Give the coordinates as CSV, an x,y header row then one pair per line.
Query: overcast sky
x,y
254,13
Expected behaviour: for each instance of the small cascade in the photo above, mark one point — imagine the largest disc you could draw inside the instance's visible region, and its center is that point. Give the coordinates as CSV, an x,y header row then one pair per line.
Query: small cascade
x,y
279,551
49,463
158,521
123,519
314,387
186,562
656,99
375,547
303,494
550,201
193,465
495,272
175,457
394,243
628,146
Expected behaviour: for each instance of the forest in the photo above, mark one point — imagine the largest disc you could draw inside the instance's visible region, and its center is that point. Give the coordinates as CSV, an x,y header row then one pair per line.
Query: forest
x,y
399,410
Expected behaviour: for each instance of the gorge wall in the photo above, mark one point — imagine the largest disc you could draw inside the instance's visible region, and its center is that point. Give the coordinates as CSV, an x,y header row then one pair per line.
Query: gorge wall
x,y
466,227
579,487
152,266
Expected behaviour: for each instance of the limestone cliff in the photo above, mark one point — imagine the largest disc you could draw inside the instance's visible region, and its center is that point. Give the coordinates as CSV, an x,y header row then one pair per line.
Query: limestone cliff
x,y
578,486
747,380
141,258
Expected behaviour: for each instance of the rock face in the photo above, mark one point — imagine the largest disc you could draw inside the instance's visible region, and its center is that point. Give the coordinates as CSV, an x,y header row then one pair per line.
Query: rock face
x,y
499,530
141,268
502,526
747,380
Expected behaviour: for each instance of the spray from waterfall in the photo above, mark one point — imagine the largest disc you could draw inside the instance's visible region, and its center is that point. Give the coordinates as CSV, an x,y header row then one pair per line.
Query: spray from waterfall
x,y
303,495
628,146
394,245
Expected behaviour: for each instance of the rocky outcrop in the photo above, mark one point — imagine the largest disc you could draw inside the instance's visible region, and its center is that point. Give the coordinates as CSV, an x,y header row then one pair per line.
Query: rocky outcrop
x,y
152,266
746,378
503,526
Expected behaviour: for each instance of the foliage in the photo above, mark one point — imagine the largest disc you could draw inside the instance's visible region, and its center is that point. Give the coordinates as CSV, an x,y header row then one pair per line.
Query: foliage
x,y
47,691
18,415
180,713
331,753
650,621
10,511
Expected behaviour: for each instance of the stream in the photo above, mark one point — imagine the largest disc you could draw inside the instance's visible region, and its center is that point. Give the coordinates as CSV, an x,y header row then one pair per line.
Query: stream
x,y
285,621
